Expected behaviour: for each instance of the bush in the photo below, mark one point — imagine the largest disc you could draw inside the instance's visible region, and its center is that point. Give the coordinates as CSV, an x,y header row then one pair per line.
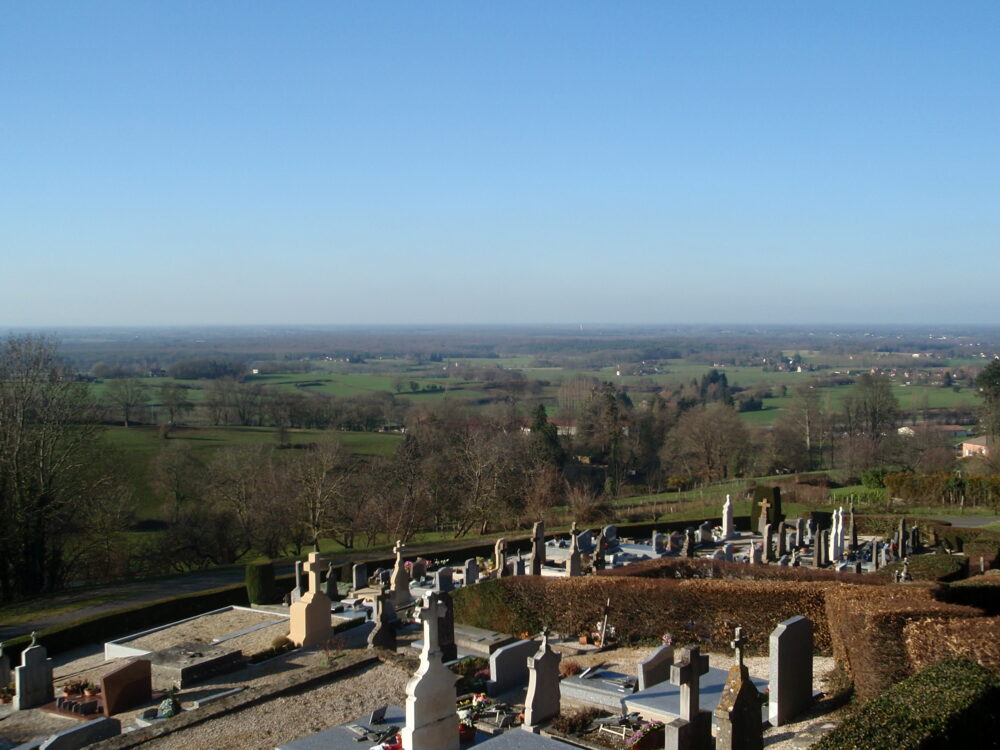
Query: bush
x,y
703,611
866,628
981,591
931,641
951,704
260,583
576,722
874,479
930,568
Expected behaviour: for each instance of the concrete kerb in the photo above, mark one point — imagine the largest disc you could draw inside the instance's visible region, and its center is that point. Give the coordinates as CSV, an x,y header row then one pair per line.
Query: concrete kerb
x,y
309,677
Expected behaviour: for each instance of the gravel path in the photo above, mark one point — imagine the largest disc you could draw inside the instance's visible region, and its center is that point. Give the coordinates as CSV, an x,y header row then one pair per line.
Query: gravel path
x,y
285,719
208,627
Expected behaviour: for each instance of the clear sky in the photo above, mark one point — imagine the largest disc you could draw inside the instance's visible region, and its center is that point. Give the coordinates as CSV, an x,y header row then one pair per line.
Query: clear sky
x,y
499,162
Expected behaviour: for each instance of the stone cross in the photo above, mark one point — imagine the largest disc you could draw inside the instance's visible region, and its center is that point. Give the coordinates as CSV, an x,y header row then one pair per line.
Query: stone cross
x,y
430,693
309,618
764,507
738,643
543,698
313,569
383,635
687,673
727,519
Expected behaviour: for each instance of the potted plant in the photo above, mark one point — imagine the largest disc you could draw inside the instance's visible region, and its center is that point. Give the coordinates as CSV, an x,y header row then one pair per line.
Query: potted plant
x,y
466,727
90,689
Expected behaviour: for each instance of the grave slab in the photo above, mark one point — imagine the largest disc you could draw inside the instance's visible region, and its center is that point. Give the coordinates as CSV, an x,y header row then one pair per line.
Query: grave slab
x,y
480,641
83,735
603,687
663,702
187,664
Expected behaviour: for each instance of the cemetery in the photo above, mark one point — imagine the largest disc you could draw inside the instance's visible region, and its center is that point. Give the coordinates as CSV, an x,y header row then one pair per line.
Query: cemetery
x,y
725,633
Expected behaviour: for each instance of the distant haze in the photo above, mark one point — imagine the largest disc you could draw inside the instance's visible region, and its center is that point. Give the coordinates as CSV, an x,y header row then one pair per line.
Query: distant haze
x,y
557,163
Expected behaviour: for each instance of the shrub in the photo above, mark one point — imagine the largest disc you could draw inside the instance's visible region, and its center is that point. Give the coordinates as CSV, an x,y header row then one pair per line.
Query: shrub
x,y
866,628
931,641
260,583
569,668
981,591
951,704
701,611
930,568
576,722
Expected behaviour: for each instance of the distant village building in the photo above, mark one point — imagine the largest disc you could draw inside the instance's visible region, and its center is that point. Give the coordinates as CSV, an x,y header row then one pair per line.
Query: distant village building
x,y
975,447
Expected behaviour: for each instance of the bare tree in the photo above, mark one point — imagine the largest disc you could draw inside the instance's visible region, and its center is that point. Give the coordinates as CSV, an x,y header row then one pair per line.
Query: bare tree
x,y
128,394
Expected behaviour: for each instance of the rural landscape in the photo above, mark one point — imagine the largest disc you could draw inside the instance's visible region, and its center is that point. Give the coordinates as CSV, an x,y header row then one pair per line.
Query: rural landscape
x,y
499,376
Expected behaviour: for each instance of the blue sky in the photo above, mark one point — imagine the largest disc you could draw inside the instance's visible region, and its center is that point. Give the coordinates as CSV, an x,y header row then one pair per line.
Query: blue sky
x,y
509,162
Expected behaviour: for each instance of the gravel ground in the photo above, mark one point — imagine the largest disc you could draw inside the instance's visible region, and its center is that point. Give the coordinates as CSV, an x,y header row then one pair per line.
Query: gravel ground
x,y
291,717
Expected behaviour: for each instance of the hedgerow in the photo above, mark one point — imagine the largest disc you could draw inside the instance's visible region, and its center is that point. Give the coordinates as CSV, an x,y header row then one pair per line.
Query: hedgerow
x,y
952,704
930,568
975,639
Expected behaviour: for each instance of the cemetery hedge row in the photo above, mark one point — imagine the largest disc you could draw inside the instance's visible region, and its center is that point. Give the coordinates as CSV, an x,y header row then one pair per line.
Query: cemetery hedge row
x,y
688,567
931,641
931,568
866,629
981,591
951,704
886,526
698,611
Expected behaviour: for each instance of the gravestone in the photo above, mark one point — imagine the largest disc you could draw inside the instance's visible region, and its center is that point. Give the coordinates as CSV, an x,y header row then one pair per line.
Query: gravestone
x,y
400,582
537,548
852,531
83,735
383,635
509,666
784,561
800,532
310,616
689,542
418,569
431,723
33,679
517,565
791,674
359,576
705,532
915,545
298,590
573,567
901,538
738,712
693,730
765,507
756,554
676,542
500,557
811,530
782,540
443,580
471,572
585,541
127,686
656,541
655,668
728,530
821,549
599,547
542,701
727,551
611,535
766,544
4,667
330,585
446,625
795,561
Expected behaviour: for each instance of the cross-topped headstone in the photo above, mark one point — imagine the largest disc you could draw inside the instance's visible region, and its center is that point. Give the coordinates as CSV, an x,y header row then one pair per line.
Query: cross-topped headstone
x,y
313,569
738,644
687,672
430,694
309,618
764,507
383,635
500,557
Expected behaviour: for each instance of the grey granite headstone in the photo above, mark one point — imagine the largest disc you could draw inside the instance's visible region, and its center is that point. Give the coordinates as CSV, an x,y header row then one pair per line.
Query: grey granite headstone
x,y
791,673
296,593
446,625
656,541
33,679
359,576
800,532
537,548
509,666
443,580
705,532
384,634
693,730
782,541
766,542
80,736
727,550
585,541
611,535
822,548
655,668
543,699
4,667
471,572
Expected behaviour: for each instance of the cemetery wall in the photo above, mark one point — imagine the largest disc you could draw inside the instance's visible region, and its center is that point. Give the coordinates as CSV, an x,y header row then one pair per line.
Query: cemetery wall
x,y
976,639
866,630
954,704
703,611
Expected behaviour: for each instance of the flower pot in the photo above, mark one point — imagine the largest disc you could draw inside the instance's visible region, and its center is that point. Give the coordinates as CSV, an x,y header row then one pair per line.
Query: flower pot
x,y
584,639
466,733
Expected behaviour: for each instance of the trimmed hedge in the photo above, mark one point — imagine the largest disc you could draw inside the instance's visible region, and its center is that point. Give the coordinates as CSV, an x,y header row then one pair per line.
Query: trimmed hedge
x,y
981,591
260,583
931,641
687,567
931,568
949,705
866,628
886,526
974,542
703,611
